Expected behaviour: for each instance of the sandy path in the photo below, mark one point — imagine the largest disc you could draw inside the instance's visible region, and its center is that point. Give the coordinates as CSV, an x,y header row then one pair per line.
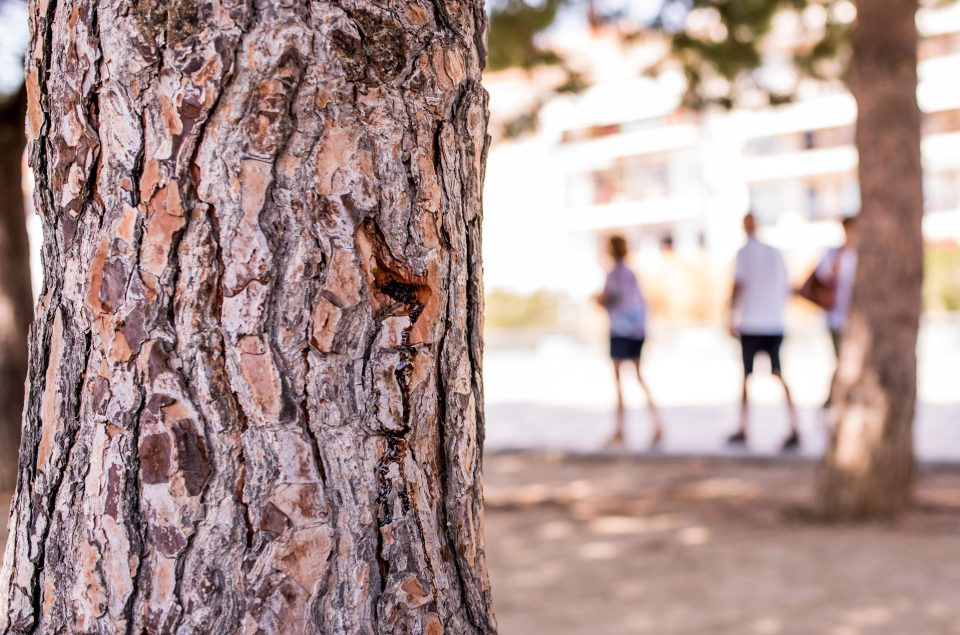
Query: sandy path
x,y
616,546
678,547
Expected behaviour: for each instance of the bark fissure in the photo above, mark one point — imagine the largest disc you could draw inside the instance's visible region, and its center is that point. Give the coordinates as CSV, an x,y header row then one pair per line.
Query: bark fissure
x,y
444,443
68,442
136,524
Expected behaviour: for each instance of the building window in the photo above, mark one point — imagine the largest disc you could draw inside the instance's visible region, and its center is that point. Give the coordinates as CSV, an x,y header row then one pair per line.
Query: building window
x,y
815,197
796,141
593,132
834,137
635,178
941,122
774,144
941,189
939,45
677,117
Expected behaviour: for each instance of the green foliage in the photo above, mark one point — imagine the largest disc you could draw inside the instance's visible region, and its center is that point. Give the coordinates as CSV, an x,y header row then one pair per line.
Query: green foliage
x,y
573,84
514,27
721,63
522,123
941,286
830,47
516,24
510,310
514,42
721,60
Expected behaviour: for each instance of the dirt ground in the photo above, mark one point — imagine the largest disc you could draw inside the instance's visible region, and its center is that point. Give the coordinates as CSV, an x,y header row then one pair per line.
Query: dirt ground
x,y
622,545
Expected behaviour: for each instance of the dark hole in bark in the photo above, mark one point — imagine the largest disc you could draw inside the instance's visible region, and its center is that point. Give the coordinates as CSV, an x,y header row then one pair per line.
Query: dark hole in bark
x,y
403,372
396,451
405,293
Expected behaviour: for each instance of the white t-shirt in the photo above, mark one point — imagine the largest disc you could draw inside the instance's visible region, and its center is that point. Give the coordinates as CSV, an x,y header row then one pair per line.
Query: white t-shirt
x,y
845,271
761,274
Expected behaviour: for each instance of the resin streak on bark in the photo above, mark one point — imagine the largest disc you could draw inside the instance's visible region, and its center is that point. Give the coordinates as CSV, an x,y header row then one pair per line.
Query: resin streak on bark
x,y
255,401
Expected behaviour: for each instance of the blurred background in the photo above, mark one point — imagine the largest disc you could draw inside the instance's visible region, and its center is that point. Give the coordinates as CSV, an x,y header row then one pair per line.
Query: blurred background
x,y
600,139
646,119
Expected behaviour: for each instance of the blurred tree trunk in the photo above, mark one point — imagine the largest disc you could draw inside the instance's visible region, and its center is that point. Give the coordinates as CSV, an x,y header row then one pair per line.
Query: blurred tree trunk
x,y
255,400
869,468
16,299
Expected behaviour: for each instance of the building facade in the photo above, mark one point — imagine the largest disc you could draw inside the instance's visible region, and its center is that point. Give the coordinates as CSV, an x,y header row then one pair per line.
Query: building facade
x,y
625,157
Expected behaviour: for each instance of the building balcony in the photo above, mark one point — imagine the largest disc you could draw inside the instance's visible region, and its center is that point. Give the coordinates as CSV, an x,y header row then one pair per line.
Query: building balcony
x,y
623,214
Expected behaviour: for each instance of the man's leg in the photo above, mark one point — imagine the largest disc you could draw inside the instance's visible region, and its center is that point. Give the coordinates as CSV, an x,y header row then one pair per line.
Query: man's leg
x,y
619,420
793,439
791,407
652,407
748,350
744,410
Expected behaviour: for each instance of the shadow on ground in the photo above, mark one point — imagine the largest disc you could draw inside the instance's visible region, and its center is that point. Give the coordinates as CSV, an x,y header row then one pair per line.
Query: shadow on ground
x,y
602,545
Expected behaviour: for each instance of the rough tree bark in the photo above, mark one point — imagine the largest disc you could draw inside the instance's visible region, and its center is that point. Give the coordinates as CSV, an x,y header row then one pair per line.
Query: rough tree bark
x,y
869,468
255,400
16,298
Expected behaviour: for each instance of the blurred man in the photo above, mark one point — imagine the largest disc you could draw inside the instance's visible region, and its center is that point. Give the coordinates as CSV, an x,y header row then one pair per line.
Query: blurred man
x,y
627,310
838,270
760,293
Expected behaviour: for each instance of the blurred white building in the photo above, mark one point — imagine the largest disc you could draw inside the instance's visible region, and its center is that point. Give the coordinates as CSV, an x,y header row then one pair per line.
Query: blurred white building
x,y
624,156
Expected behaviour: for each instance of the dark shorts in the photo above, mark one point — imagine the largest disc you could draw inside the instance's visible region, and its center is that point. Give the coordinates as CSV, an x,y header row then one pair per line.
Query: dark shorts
x,y
753,344
625,347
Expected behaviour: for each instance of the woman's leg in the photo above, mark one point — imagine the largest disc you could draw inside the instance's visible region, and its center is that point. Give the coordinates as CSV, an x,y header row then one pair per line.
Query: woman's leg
x,y
655,418
836,337
620,414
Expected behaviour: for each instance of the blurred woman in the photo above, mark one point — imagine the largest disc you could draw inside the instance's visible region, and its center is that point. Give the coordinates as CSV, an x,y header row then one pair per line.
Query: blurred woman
x,y
627,310
839,269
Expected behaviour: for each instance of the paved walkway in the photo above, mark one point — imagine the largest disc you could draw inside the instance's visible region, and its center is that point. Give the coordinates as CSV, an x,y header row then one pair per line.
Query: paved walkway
x,y
557,392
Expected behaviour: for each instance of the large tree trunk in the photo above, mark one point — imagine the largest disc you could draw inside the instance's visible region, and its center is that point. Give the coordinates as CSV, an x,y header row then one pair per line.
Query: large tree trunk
x,y
16,299
869,467
255,401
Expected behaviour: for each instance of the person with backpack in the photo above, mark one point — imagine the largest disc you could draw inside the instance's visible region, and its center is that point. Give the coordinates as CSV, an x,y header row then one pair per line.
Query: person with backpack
x,y
834,278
